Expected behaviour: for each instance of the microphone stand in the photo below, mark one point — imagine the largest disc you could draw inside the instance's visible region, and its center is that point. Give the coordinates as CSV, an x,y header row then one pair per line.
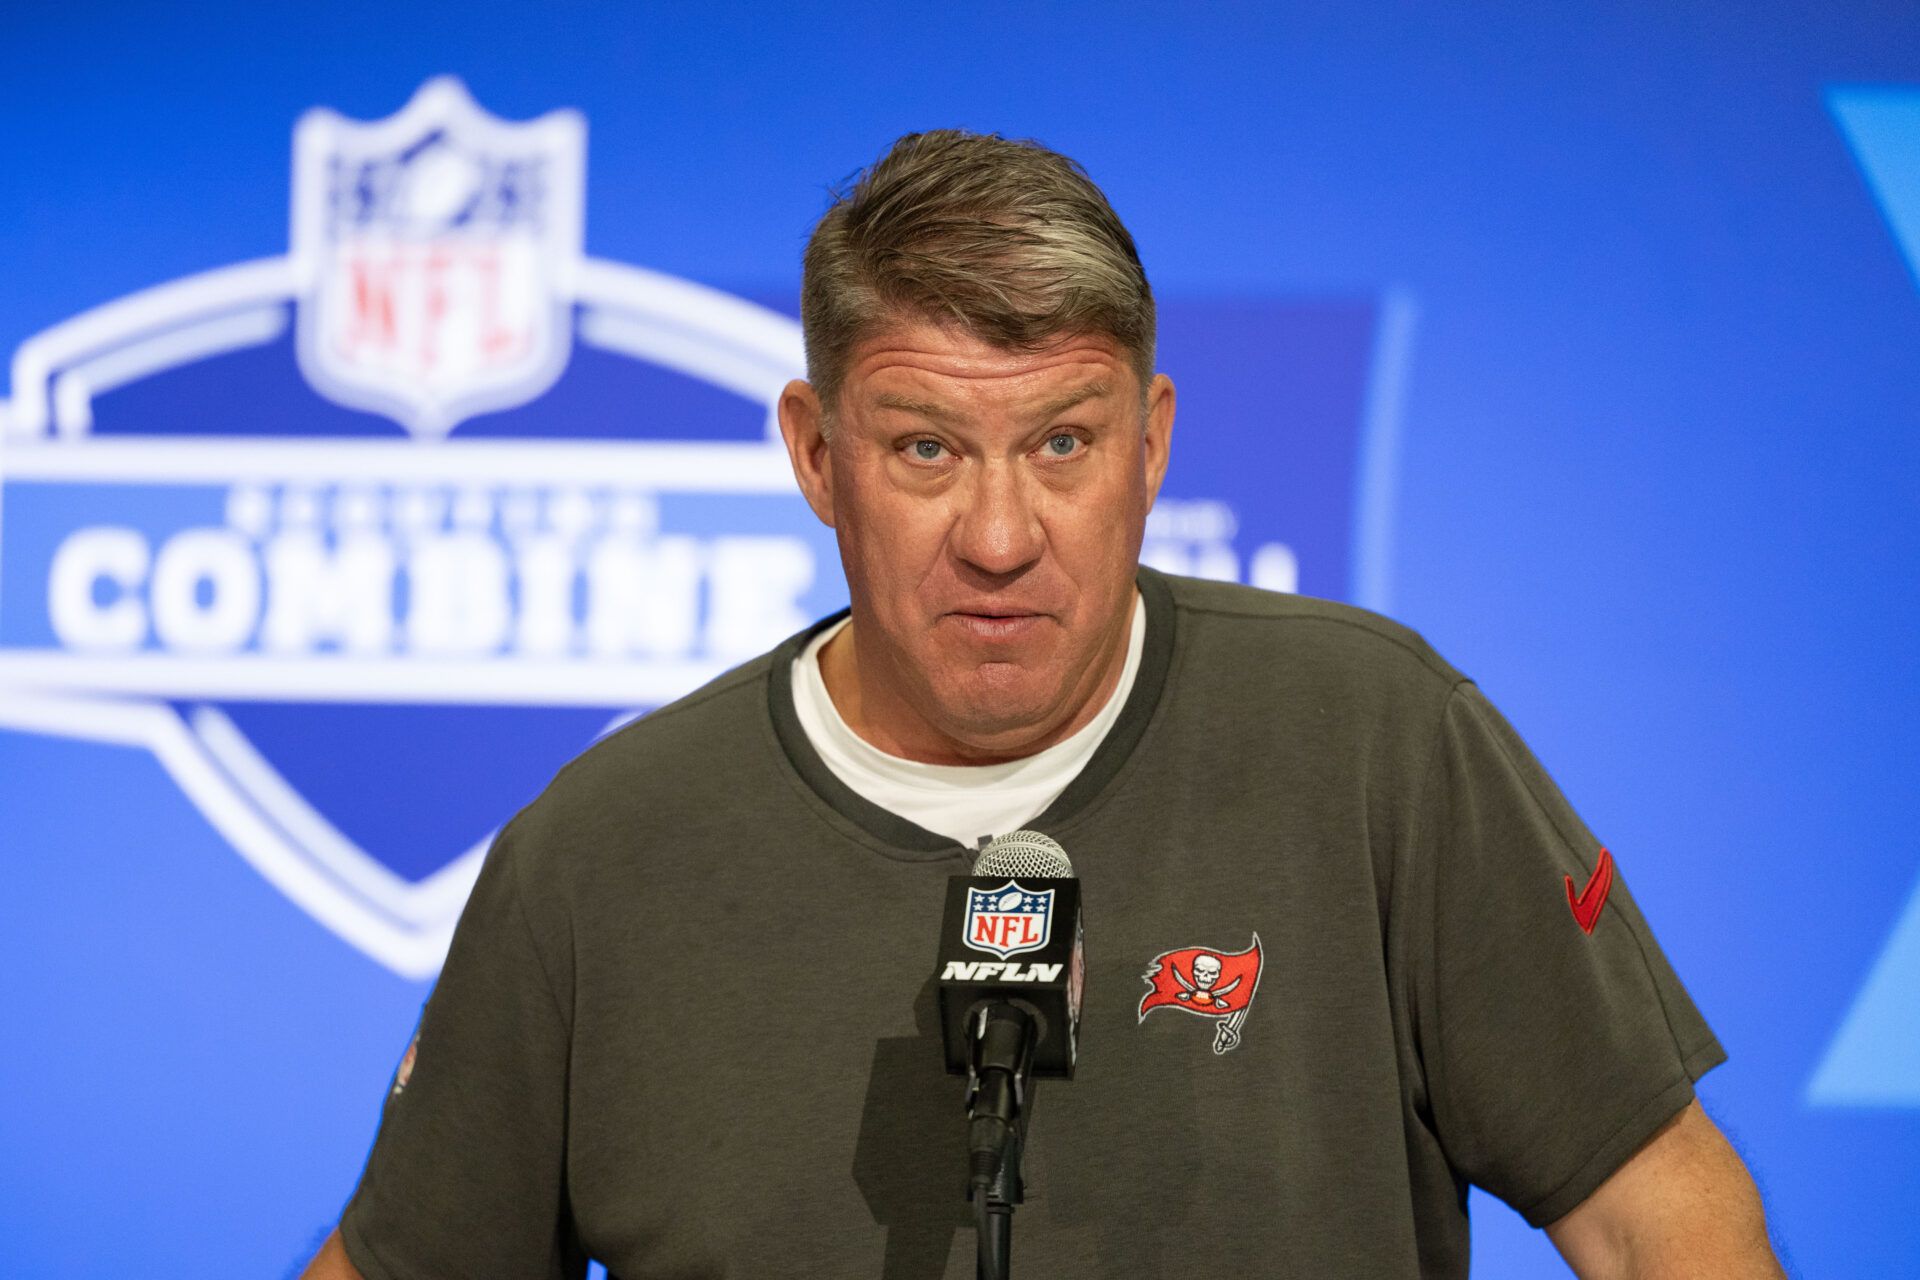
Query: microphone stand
x,y
999,1097
994,1252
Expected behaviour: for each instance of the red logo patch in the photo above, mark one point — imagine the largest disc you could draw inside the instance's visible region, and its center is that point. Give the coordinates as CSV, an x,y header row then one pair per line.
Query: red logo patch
x,y
1586,907
1212,984
405,1071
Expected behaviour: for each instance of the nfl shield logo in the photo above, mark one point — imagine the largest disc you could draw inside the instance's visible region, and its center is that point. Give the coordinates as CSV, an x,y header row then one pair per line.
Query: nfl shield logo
x,y
435,254
1008,920
310,607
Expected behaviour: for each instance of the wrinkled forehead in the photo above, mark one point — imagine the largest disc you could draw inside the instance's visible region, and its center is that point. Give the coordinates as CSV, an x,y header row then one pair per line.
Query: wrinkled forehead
x,y
938,371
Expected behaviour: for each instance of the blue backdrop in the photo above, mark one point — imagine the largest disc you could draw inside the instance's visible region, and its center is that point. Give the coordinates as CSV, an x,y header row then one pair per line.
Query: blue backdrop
x,y
1587,343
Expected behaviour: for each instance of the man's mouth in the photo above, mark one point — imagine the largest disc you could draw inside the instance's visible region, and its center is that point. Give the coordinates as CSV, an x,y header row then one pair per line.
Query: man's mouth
x,y
997,624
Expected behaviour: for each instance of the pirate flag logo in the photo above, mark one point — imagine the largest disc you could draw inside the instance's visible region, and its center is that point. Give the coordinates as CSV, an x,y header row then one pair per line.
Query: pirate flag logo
x,y
1212,984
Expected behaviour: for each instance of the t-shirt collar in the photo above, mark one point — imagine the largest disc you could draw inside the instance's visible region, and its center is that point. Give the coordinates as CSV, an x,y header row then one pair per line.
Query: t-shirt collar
x,y
910,837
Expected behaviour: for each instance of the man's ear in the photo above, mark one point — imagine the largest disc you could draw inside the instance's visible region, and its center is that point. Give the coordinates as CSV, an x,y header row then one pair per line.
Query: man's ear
x,y
1159,433
802,426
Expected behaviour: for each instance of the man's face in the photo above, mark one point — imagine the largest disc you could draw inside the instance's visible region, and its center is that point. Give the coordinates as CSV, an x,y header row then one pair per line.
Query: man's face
x,y
989,506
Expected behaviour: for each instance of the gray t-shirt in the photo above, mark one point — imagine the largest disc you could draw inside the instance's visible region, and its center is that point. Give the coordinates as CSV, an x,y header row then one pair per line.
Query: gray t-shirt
x,y
687,1022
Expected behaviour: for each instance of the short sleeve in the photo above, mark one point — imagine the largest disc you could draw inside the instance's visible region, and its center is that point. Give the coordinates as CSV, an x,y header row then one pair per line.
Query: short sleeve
x,y
466,1177
1550,1053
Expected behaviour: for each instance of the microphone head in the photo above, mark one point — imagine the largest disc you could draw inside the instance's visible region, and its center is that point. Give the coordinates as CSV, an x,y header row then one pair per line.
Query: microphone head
x,y
1024,853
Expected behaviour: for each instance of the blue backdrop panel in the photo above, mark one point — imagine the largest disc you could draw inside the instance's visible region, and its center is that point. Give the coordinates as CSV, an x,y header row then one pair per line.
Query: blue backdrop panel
x,y
1588,344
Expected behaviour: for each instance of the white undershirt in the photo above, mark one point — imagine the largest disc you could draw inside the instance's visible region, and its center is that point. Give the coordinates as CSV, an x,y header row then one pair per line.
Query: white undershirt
x,y
965,802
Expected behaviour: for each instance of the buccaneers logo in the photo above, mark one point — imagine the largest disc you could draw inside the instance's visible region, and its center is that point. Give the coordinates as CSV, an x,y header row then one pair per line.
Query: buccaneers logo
x,y
1213,984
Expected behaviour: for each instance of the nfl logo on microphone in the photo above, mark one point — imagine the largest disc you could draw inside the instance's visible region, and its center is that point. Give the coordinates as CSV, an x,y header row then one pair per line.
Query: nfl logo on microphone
x,y
1008,920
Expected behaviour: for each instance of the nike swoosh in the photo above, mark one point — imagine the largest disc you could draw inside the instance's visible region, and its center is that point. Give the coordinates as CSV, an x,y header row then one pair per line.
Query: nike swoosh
x,y
1586,907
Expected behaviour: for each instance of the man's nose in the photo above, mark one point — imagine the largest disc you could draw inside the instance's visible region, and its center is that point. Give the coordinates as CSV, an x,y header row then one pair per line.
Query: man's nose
x,y
998,529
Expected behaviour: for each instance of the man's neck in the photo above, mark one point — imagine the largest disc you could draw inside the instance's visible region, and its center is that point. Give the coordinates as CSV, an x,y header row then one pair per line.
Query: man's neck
x,y
861,694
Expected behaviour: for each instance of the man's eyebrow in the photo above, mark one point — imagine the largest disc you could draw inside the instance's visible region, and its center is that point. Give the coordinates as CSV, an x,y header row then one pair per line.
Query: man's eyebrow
x,y
941,413
920,408
1055,407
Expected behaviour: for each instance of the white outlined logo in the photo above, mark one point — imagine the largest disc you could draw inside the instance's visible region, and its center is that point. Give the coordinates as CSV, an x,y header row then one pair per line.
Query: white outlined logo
x,y
435,256
161,585
1008,920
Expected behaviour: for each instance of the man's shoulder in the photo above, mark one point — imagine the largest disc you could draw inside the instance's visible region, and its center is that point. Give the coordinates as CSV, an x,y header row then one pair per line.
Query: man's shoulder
x,y
1321,638
709,722
688,753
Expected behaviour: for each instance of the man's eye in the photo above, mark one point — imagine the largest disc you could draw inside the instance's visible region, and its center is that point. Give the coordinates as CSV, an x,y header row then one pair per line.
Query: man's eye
x,y
928,450
1062,445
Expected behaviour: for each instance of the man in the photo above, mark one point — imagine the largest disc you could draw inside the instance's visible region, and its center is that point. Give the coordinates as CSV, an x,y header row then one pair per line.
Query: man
x,y
686,1024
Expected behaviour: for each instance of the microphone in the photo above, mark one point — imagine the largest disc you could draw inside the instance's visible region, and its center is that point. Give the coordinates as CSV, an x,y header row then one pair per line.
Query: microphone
x,y
1012,972
1012,933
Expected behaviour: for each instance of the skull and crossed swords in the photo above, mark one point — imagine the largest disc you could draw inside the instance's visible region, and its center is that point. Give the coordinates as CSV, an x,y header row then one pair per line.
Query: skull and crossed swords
x,y
1200,991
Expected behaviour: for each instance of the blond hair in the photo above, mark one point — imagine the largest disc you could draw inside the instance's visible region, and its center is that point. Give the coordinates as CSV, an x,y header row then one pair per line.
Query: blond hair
x,y
1005,239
